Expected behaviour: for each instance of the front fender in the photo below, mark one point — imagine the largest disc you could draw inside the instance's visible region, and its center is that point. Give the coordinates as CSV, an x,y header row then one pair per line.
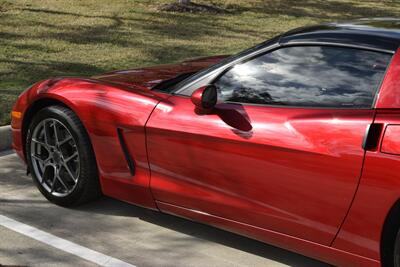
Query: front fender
x,y
103,109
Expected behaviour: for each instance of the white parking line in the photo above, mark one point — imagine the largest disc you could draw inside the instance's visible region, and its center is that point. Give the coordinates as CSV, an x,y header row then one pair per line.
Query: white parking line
x,y
62,244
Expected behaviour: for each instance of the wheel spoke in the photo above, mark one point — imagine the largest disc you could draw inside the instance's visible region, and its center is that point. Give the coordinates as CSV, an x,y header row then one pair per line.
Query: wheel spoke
x,y
40,143
38,159
61,181
71,157
54,182
42,161
41,166
69,172
46,134
55,132
65,140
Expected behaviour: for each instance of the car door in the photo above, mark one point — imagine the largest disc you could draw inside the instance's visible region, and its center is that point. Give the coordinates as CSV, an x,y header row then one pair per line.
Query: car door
x,y
283,148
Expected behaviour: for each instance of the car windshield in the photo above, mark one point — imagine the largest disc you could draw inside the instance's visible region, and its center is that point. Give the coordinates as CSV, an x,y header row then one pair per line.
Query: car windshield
x,y
197,75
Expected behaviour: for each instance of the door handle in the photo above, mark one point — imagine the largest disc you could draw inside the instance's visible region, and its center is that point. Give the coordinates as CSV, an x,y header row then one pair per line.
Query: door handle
x,y
372,136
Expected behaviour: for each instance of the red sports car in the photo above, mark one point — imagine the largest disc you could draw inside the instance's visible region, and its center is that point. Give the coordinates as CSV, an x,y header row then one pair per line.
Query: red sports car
x,y
295,142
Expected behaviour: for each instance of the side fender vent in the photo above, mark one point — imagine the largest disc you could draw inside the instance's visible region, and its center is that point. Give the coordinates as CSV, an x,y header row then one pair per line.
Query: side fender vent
x,y
129,160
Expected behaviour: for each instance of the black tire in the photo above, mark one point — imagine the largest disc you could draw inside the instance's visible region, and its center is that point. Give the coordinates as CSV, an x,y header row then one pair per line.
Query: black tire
x,y
87,187
396,252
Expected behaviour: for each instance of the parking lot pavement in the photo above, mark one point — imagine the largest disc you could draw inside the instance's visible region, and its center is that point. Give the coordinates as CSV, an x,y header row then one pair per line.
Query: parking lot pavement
x,y
125,232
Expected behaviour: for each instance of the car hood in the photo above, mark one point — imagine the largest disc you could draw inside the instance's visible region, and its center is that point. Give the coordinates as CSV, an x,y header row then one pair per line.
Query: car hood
x,y
149,77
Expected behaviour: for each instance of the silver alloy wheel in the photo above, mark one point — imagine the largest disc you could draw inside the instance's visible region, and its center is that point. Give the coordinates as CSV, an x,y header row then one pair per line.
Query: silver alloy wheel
x,y
55,157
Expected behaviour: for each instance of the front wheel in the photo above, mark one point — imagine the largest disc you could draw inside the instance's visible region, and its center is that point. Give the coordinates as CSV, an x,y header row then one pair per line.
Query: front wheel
x,y
60,157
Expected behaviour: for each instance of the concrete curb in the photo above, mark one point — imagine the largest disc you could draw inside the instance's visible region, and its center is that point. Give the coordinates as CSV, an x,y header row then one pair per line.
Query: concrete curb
x,y
5,137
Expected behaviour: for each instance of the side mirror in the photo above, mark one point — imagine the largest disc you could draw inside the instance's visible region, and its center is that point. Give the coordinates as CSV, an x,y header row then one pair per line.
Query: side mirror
x,y
205,98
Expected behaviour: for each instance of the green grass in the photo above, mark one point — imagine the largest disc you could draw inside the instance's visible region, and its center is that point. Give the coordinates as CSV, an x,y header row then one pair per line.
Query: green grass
x,y
46,38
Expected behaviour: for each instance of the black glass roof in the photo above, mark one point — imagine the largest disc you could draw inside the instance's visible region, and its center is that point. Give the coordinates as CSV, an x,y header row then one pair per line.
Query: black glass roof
x,y
378,33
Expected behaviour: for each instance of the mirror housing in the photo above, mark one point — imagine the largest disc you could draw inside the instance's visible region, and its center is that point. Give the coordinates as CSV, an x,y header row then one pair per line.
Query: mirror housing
x,y
205,98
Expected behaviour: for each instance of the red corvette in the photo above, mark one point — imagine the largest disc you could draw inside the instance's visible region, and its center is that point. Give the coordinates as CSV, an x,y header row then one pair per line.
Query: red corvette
x,y
295,142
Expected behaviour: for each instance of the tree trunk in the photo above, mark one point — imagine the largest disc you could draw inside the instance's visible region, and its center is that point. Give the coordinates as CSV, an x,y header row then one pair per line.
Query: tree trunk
x,y
184,2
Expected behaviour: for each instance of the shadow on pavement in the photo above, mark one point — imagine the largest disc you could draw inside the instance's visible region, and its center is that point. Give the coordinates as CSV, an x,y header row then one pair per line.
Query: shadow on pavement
x,y
108,206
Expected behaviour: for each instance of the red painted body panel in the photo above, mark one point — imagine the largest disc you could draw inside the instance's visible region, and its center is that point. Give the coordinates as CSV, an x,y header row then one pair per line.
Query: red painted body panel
x,y
151,76
286,176
389,94
378,191
289,170
391,140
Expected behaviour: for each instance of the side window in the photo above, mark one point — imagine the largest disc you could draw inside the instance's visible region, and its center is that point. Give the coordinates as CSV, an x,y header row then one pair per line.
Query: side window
x,y
309,76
